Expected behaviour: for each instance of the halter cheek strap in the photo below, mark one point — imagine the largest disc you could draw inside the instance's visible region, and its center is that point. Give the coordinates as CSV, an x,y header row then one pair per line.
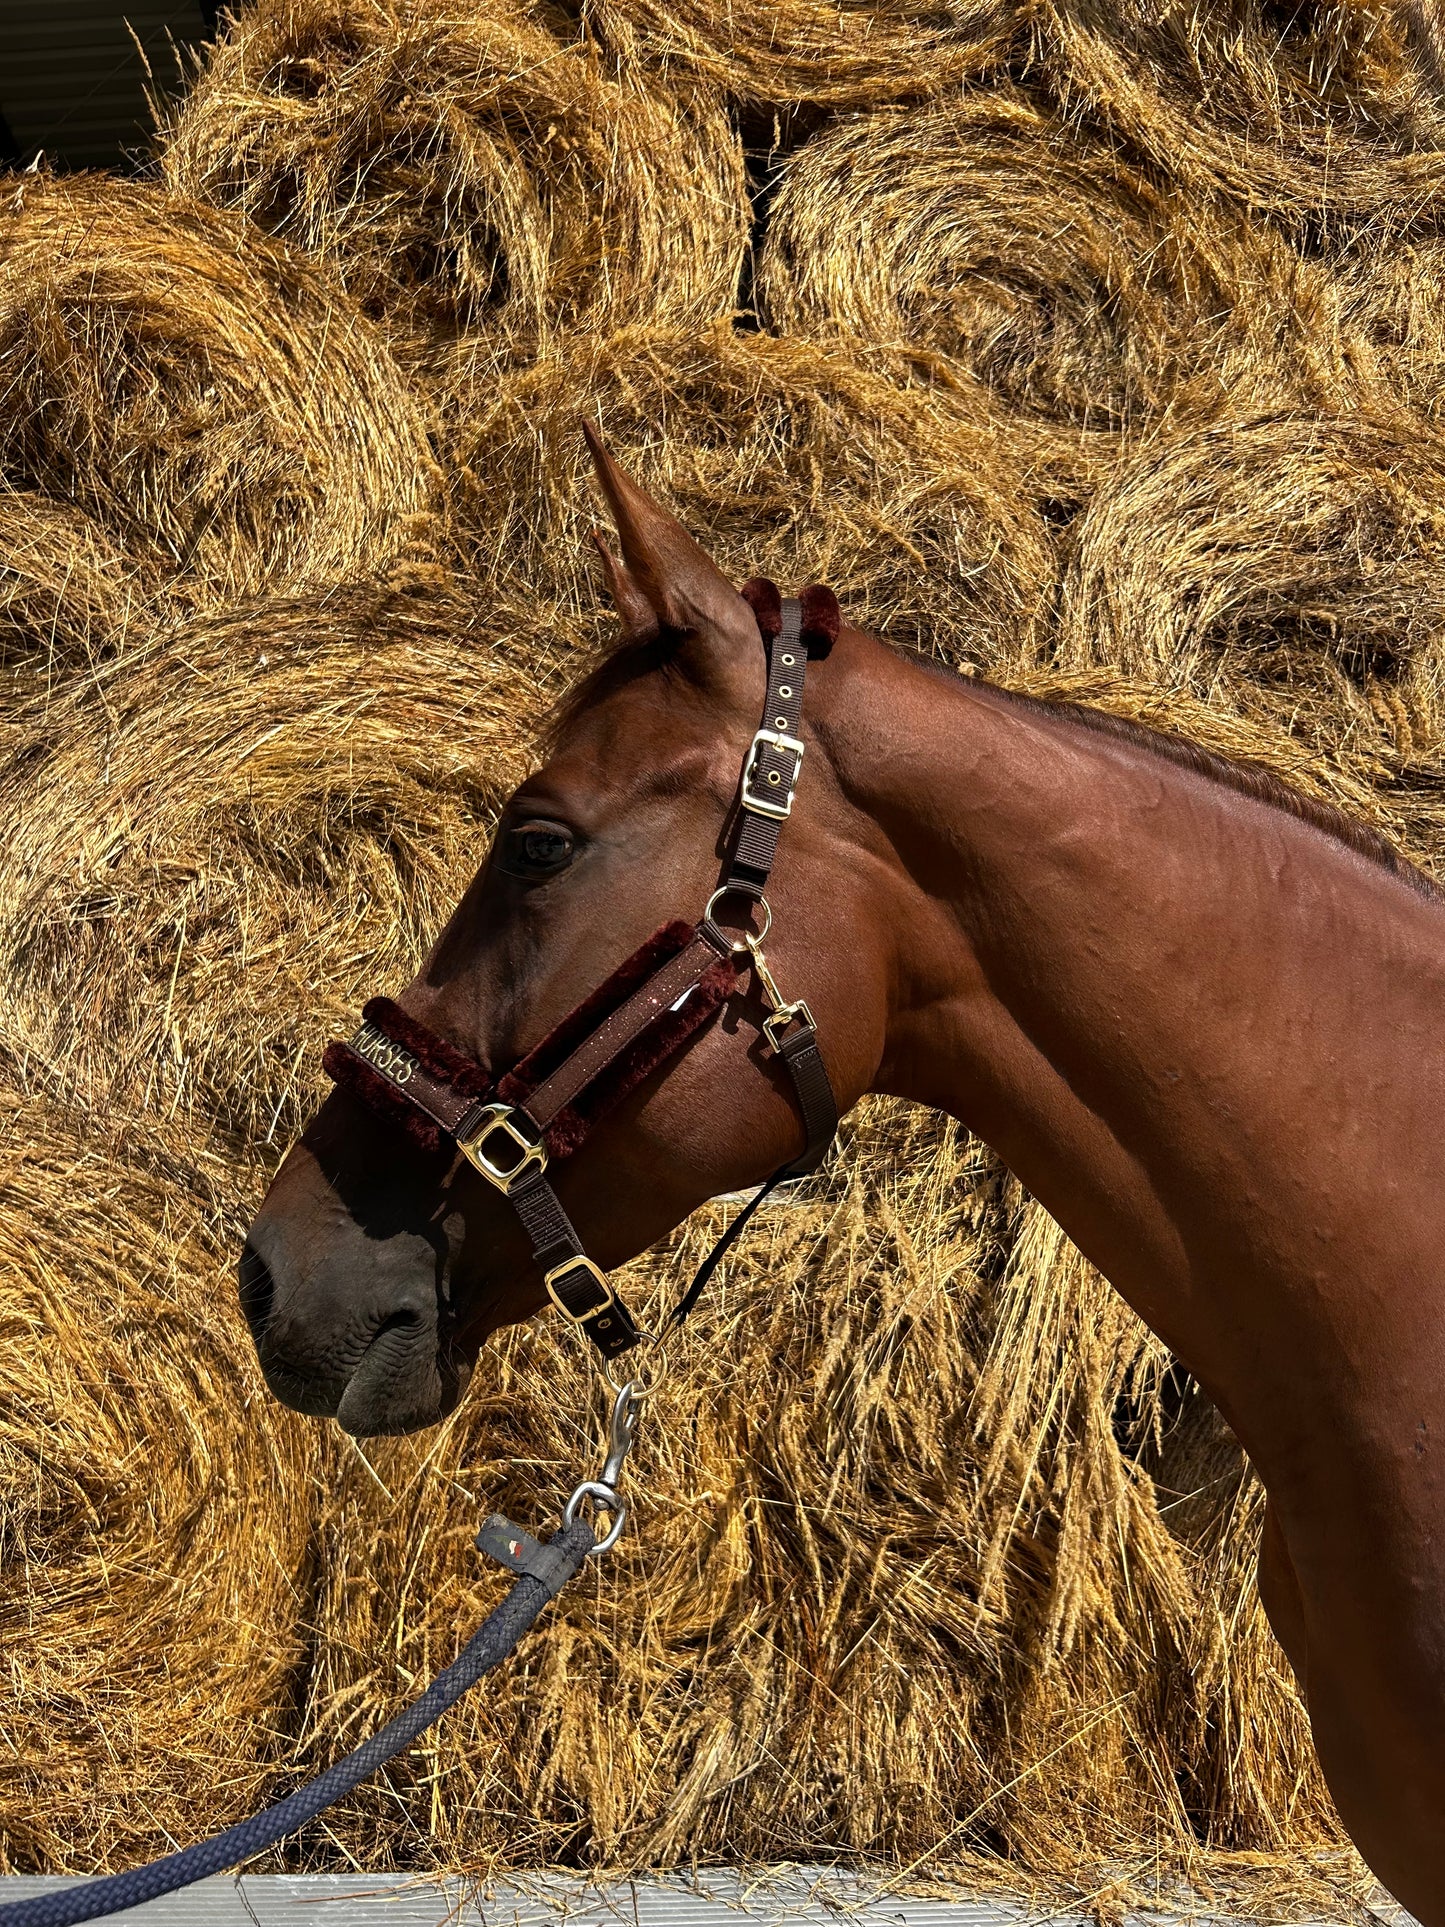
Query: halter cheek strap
x,y
636,1019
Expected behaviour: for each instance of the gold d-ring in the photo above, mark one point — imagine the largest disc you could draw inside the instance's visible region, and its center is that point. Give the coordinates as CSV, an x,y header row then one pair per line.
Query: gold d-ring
x,y
746,942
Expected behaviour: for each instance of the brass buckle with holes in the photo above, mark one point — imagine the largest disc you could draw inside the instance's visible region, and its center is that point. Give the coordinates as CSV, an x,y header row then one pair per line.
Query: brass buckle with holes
x,y
779,807
496,1123
571,1268
785,1014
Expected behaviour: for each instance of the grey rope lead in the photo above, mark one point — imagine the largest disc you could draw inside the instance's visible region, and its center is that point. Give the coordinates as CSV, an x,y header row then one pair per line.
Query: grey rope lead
x,y
492,1642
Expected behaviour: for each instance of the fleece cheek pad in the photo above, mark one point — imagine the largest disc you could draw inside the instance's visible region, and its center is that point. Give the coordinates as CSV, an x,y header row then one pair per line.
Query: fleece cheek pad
x,y
665,1035
443,1061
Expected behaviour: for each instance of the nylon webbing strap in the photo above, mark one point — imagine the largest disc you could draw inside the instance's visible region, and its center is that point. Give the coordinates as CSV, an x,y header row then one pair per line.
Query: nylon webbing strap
x,y
814,1091
775,759
666,989
574,1284
444,1104
765,801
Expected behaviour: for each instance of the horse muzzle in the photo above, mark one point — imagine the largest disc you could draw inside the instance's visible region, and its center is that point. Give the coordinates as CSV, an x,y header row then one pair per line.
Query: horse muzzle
x,y
371,1354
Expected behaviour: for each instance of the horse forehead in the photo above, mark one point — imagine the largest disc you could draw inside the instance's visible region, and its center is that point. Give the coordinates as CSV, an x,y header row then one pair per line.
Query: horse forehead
x,y
635,741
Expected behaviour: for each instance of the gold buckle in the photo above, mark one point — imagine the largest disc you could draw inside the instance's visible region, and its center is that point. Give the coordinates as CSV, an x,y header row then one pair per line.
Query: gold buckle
x,y
598,1277
770,805
497,1119
785,1014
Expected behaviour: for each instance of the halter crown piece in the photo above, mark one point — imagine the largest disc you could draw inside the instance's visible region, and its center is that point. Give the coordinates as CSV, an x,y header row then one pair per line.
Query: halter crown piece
x,y
511,1127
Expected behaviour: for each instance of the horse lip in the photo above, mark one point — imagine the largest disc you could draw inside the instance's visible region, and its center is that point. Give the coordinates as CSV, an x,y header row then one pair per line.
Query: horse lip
x,y
315,1397
404,1381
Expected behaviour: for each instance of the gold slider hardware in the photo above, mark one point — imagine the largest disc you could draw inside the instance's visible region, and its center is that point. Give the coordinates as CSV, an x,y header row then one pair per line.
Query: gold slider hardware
x,y
573,1267
778,806
496,1123
783,1012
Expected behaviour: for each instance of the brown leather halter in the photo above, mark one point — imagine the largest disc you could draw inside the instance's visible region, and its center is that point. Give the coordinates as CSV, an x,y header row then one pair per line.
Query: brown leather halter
x,y
511,1127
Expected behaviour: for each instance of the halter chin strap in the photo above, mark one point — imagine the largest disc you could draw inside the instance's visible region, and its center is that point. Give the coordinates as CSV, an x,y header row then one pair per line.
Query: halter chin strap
x,y
509,1128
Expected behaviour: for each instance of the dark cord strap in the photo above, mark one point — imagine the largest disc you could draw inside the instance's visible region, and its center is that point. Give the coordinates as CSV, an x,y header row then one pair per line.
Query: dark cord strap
x,y
488,1647
703,1275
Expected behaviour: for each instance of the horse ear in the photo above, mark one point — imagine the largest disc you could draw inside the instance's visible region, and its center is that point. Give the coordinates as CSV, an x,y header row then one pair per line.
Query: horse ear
x,y
639,622
664,582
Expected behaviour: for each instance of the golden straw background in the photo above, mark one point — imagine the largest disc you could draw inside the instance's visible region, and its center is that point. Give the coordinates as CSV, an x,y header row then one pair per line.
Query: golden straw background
x,y
1090,344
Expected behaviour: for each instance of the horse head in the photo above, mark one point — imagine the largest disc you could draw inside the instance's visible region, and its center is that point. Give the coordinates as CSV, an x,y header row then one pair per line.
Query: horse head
x,y
382,1258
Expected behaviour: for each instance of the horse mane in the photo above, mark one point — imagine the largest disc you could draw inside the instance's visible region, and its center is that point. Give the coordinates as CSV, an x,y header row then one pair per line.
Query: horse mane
x,y
1245,778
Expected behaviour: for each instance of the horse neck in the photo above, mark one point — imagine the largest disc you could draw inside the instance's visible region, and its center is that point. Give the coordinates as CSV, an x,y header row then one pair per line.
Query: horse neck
x,y
1142,988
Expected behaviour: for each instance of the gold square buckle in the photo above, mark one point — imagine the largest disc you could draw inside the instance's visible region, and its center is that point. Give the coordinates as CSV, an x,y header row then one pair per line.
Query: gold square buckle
x,y
580,1267
775,1025
778,806
497,1124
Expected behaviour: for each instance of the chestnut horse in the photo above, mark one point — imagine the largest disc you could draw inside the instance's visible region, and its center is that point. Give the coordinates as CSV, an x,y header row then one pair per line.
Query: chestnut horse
x,y
1197,1015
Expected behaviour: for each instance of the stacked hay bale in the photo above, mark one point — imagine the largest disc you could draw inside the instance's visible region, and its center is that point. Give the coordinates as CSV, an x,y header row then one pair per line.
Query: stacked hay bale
x,y
465,169
152,1593
1096,349
191,389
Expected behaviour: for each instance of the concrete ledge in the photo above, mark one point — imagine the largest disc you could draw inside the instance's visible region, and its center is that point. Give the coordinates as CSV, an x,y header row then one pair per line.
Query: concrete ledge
x,y
792,1897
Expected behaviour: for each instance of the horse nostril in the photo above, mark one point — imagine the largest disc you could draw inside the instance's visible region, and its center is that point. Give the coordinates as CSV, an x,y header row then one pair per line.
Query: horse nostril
x,y
257,1289
408,1319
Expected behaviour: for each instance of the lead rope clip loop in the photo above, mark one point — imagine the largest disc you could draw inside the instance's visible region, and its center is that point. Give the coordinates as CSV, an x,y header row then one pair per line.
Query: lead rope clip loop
x,y
603,1490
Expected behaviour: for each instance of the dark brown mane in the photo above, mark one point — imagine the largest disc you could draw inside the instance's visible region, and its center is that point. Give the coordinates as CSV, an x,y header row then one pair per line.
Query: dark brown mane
x,y
1248,779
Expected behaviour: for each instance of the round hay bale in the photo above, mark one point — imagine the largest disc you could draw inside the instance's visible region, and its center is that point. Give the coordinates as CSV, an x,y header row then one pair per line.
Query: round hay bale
x,y
1318,113
1388,317
887,476
1297,555
821,53
265,820
1287,571
67,594
157,1581
208,400
893,1588
1048,264
463,169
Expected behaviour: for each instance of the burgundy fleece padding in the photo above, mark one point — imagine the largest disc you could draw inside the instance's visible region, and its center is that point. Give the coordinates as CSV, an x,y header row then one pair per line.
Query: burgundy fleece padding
x,y
820,613
658,1042
580,1022
433,1053
347,1070
766,602
663,1036
820,620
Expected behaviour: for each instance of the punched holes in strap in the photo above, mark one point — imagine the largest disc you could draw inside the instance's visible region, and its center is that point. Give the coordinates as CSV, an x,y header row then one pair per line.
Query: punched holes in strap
x,y
775,757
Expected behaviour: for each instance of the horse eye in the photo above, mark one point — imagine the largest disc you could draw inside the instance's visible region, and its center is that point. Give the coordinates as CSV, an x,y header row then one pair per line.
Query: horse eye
x,y
537,850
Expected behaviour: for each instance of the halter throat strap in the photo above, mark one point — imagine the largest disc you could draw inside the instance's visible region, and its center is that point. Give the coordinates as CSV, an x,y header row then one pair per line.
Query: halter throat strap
x,y
507,1128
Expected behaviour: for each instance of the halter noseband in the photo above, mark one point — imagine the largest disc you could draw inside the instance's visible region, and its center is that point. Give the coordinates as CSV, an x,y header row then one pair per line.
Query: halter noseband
x,y
509,1128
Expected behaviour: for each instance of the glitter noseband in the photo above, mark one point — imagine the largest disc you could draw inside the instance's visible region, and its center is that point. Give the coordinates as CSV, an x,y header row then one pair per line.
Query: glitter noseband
x,y
510,1128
